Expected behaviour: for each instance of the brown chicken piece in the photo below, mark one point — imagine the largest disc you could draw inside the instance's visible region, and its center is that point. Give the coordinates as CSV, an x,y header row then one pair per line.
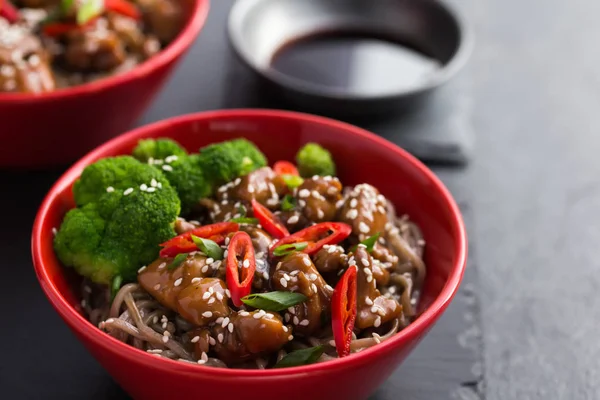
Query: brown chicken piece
x,y
176,288
373,308
364,210
163,17
24,64
330,258
317,198
203,301
297,273
183,226
262,184
97,49
132,36
245,335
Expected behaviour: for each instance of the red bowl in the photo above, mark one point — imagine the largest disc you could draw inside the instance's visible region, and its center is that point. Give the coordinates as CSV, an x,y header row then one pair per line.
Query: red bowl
x,y
360,157
61,126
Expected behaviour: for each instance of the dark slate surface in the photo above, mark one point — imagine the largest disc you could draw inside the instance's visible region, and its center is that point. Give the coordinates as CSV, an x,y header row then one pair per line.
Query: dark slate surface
x,y
50,363
536,179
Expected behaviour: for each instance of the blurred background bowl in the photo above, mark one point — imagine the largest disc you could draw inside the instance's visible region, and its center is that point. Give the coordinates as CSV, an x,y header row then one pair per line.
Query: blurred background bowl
x,y
406,182
259,29
59,127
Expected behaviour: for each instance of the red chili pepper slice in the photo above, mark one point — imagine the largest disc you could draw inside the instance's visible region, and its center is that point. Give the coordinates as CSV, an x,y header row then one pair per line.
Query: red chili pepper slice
x,y
269,221
59,28
240,250
285,168
343,311
317,236
8,11
184,243
122,7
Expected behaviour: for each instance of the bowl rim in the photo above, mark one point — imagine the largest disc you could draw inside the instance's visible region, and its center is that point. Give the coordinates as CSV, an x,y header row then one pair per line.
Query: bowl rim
x,y
77,322
463,52
177,47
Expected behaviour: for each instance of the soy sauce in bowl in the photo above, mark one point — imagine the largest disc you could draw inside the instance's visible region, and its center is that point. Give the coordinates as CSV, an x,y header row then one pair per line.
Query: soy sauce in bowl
x,y
355,64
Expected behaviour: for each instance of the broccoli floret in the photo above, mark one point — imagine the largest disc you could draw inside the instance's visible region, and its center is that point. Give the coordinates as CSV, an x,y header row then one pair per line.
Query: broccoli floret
x,y
182,170
225,161
116,232
157,149
313,159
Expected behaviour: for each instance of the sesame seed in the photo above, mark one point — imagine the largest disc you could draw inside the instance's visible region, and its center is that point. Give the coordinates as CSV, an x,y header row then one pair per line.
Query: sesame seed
x,y
296,321
290,338
306,261
211,341
364,262
287,277
332,343
219,296
195,280
165,339
220,337
269,316
293,219
225,322
313,277
237,181
287,317
315,177
315,194
219,320
167,168
368,301
369,278
302,203
381,209
204,357
164,325
320,213
304,193
314,287
162,265
155,320
54,231
374,309
377,322
178,282
291,310
159,185
206,295
151,190
153,182
141,269
143,187
128,192
328,288
83,303
201,362
257,315
285,328
156,287
195,339
227,292
364,228
352,213
244,313
211,290
204,269
367,271
304,322
283,282
294,273
170,159
207,314
246,263
230,328
110,189
353,203
212,300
